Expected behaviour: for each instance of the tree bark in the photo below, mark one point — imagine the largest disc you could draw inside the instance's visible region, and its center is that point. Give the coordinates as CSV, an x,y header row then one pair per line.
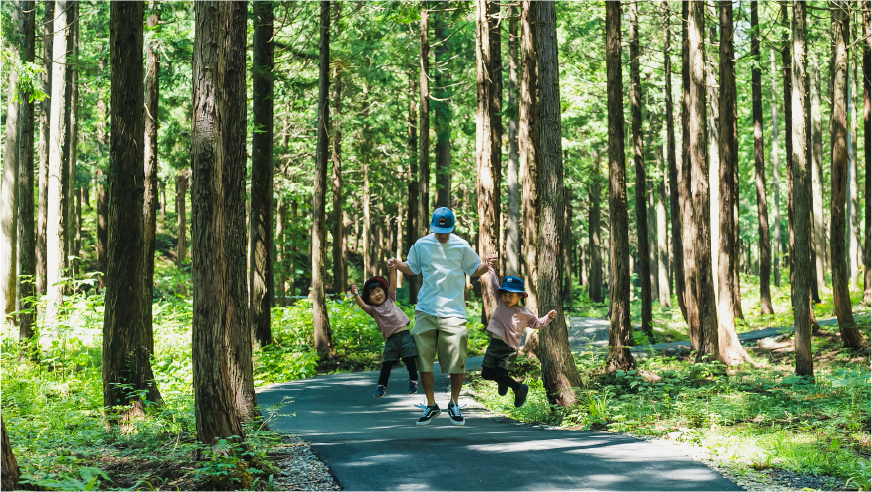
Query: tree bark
x,y
321,321
9,193
26,231
703,285
102,225
867,135
424,126
853,204
44,134
56,215
731,350
528,143
292,257
340,268
262,175
72,140
620,334
281,271
688,238
513,229
568,245
788,140
662,246
486,150
559,374
150,197
776,183
412,226
595,275
214,400
181,217
128,341
817,178
442,110
675,196
641,178
765,248
851,336
10,471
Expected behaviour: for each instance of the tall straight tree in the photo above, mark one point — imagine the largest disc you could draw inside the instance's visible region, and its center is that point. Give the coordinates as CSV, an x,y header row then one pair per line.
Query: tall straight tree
x,y
559,374
340,266
412,227
9,194
424,125
764,246
262,171
150,197
731,349
688,238
513,230
528,144
776,182
442,110
851,336
487,155
801,242
128,342
642,239
232,80
817,177
321,321
788,137
867,135
620,334
44,133
674,192
26,231
595,277
57,165
703,284
214,405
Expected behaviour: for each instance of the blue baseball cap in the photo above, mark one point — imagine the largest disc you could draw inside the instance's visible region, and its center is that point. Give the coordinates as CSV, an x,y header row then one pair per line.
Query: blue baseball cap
x,y
513,284
442,221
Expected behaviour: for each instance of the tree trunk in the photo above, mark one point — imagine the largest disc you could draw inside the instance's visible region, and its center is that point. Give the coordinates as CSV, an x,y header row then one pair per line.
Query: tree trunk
x,y
776,184
181,217
70,158
412,226
292,258
712,131
128,341
513,230
641,178
10,471
620,334
262,171
367,214
595,275
817,178
662,246
802,306
424,126
281,271
339,266
102,225
867,135
44,134
731,350
675,196
528,144
559,374
765,248
26,236
56,214
788,139
703,285
853,201
214,400
9,193
442,110
321,321
688,238
851,336
486,148
150,196
653,271
568,245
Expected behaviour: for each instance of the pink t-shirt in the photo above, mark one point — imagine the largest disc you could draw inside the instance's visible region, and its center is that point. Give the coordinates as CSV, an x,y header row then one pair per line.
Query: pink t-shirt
x,y
509,323
388,317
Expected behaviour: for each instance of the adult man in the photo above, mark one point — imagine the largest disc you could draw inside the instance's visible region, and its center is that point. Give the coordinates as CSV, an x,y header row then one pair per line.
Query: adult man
x,y
440,316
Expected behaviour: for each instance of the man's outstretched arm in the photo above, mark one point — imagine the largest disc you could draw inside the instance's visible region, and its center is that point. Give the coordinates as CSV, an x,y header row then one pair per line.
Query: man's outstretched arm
x,y
401,266
482,269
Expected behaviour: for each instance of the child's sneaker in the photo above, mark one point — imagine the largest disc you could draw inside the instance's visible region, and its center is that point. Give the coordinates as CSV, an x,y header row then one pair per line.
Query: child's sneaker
x,y
380,391
429,414
521,395
455,415
413,386
502,389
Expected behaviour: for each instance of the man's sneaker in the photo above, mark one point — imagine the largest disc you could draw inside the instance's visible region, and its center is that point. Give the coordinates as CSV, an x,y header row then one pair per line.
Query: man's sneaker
x,y
455,415
521,395
413,386
380,391
502,389
429,414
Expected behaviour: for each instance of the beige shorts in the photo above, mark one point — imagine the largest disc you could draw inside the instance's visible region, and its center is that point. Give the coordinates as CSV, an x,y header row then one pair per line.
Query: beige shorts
x,y
447,336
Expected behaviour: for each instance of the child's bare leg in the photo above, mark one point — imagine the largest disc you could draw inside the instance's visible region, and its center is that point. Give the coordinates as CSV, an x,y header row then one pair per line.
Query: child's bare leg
x,y
427,383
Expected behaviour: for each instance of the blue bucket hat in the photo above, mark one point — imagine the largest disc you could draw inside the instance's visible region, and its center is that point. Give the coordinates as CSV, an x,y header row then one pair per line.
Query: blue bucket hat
x,y
442,221
513,284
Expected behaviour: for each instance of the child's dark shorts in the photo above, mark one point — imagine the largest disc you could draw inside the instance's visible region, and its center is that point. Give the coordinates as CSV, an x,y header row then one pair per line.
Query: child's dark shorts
x,y
499,355
399,346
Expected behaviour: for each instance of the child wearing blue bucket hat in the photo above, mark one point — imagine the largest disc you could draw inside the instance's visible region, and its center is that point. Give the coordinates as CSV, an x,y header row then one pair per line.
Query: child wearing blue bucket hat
x,y
505,328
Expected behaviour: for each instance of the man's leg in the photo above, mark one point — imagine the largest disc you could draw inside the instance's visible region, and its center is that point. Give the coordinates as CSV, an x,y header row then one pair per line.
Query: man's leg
x,y
427,383
456,384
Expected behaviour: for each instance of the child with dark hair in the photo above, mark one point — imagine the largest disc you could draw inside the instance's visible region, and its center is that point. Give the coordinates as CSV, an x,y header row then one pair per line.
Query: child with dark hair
x,y
379,300
505,328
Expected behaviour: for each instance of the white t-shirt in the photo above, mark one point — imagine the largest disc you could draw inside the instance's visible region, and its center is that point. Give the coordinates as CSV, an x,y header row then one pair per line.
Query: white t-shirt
x,y
445,267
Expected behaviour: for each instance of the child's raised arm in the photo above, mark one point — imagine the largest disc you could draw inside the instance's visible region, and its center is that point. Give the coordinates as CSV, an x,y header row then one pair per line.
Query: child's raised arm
x,y
542,322
402,266
392,279
357,298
